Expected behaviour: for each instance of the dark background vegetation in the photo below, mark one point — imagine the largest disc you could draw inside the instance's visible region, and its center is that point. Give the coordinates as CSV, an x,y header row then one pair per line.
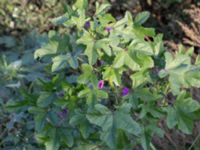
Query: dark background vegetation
x,y
23,28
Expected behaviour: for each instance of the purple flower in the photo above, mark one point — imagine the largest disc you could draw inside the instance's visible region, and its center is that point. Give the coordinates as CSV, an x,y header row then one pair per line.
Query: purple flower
x,y
101,84
63,113
102,62
108,29
125,91
87,25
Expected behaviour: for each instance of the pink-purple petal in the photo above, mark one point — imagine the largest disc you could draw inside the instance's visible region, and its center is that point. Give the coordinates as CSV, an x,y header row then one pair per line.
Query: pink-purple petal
x,y
101,84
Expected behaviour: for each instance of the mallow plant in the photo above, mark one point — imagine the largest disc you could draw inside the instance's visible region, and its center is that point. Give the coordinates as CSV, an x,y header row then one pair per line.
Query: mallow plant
x,y
109,83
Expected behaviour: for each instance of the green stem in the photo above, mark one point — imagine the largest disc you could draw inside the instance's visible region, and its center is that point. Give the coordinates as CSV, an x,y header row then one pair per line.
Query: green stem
x,y
97,146
167,89
194,142
152,146
116,95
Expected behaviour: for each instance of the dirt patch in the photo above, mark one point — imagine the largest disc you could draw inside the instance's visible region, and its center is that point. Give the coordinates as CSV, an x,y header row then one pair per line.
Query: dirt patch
x,y
192,29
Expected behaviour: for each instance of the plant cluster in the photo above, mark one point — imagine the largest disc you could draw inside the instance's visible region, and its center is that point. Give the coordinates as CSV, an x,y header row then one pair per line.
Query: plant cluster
x,y
18,70
108,84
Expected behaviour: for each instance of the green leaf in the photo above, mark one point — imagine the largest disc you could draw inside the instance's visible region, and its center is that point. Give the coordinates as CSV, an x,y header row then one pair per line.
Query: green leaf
x,y
15,105
143,60
122,140
87,146
182,74
112,75
84,92
59,62
145,140
49,49
184,51
102,94
123,58
66,136
105,45
124,120
53,142
79,120
192,77
91,99
187,105
162,73
40,120
146,95
185,124
119,60
102,118
53,117
111,121
131,63
81,4
102,9
91,54
141,32
106,19
87,72
174,62
73,62
171,118
140,78
141,47
109,137
158,44
8,41
90,50
182,114
142,17
60,20
197,61
88,75
45,99
78,21
36,110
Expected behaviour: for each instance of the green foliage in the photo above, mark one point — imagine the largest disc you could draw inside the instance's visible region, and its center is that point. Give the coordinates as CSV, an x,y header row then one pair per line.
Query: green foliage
x,y
183,113
142,17
111,122
71,110
17,72
182,74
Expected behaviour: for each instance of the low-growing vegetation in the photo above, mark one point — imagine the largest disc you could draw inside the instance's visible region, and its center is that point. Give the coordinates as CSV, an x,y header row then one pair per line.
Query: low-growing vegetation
x,y
96,83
